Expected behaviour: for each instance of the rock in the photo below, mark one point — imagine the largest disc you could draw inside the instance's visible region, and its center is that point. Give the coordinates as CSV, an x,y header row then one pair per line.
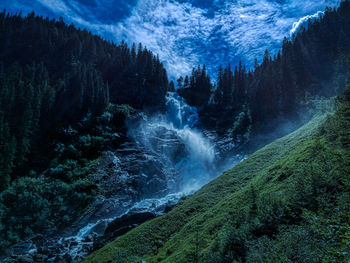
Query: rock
x,y
43,250
121,231
121,224
99,242
38,239
67,258
88,238
58,259
135,172
22,248
40,258
25,259
99,228
9,260
73,243
169,207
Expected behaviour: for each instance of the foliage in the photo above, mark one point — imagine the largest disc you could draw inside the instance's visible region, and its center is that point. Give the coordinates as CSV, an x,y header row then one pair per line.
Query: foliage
x,y
47,82
123,109
45,177
288,202
35,203
242,125
312,63
32,205
196,88
56,116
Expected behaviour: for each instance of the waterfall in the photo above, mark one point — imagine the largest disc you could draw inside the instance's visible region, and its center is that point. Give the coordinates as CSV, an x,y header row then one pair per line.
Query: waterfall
x,y
171,140
174,136
179,113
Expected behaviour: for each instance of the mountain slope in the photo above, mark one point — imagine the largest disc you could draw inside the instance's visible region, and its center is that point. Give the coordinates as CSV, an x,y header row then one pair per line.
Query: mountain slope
x,y
64,97
256,211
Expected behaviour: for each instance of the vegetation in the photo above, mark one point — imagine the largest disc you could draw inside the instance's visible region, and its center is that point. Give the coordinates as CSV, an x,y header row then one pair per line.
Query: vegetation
x,y
47,82
314,62
64,97
60,108
288,202
35,203
196,88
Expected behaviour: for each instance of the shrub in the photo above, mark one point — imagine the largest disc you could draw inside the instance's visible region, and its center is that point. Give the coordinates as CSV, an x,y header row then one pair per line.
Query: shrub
x,y
31,205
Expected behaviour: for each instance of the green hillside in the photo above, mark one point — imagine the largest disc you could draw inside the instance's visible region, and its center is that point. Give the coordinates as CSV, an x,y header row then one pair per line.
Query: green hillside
x,y
288,202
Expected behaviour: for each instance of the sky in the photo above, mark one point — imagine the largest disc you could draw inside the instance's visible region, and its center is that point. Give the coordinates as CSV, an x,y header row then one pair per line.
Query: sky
x,y
186,33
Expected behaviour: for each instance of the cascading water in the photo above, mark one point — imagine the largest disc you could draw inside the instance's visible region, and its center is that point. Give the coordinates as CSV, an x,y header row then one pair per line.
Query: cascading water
x,y
179,113
176,140
187,160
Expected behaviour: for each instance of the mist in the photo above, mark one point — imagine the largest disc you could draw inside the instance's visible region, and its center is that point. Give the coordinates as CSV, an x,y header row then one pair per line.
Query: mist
x,y
176,139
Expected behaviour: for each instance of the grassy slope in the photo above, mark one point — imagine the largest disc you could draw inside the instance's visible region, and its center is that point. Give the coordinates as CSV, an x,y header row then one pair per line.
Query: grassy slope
x,y
267,190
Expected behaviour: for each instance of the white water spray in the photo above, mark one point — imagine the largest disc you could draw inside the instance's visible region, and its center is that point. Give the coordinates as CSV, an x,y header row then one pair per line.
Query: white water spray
x,y
174,137
187,155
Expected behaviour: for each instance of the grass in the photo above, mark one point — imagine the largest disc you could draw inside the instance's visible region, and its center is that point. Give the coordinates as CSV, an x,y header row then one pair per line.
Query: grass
x,y
244,211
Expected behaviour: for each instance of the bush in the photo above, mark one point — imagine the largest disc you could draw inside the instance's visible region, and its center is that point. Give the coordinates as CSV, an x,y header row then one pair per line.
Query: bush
x,y
68,171
24,209
91,146
234,243
32,205
242,125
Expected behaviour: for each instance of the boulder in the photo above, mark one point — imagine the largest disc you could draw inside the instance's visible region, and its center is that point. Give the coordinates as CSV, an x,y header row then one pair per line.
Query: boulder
x,y
67,258
22,248
125,223
25,259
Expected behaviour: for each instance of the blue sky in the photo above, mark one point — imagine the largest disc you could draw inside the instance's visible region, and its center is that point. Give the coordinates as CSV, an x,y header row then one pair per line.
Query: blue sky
x,y
186,33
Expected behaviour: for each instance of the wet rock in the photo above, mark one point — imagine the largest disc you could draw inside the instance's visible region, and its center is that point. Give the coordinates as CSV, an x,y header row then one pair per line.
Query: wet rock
x,y
9,260
43,249
169,207
99,242
131,172
25,259
40,258
121,225
137,177
22,248
88,238
58,259
67,258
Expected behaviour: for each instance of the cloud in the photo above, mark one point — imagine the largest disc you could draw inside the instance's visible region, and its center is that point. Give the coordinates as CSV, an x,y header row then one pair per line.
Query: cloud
x,y
177,32
250,27
186,33
303,22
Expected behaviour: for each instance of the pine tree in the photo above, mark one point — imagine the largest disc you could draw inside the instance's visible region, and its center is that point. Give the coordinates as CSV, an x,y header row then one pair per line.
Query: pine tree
x,y
180,82
8,151
219,86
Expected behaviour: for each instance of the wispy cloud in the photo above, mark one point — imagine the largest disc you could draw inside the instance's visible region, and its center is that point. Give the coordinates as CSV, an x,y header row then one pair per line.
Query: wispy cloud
x,y
175,31
186,33
303,22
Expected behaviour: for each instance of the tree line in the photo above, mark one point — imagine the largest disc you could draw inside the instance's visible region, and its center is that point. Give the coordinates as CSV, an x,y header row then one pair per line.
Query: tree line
x,y
64,96
53,75
314,62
